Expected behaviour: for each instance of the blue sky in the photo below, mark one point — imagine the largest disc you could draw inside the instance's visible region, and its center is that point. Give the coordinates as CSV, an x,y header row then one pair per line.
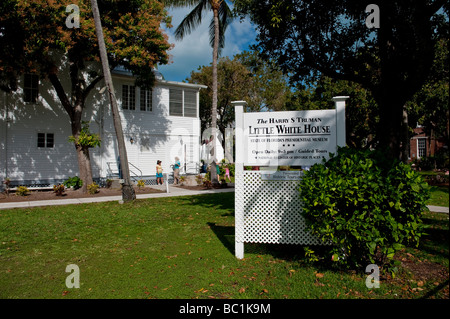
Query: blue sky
x,y
194,50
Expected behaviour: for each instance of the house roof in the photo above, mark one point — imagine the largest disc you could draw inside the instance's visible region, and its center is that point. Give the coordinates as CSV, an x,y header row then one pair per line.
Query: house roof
x,y
182,84
123,72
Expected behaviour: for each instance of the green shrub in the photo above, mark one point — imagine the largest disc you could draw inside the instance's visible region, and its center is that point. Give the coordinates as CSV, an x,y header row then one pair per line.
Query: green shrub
x,y
439,161
22,191
93,188
365,207
140,183
232,168
58,189
199,179
86,138
74,182
207,184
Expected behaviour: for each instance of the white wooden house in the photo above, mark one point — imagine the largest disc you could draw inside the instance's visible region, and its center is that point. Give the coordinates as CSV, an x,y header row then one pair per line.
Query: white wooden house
x,y
158,124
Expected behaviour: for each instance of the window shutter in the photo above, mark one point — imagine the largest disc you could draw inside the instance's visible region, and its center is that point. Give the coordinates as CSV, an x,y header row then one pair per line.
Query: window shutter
x,y
176,102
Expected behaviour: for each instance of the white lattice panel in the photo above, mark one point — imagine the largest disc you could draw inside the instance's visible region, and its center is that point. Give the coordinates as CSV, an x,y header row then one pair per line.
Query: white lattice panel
x,y
269,211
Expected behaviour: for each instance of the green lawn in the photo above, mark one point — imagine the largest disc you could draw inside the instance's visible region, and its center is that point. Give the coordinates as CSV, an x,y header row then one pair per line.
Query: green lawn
x,y
177,248
439,196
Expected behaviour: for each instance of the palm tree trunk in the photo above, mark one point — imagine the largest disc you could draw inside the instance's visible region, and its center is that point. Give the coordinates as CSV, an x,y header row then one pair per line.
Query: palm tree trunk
x,y
214,177
128,193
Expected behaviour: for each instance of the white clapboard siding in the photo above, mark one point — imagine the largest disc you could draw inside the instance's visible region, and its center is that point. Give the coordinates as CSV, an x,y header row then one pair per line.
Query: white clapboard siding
x,y
149,135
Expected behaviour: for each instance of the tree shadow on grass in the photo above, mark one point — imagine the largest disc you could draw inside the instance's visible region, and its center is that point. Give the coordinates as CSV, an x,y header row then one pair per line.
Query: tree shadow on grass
x,y
288,252
436,240
222,201
225,234
434,291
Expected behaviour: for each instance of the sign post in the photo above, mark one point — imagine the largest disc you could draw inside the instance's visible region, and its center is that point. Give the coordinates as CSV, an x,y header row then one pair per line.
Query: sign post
x,y
239,170
267,203
339,102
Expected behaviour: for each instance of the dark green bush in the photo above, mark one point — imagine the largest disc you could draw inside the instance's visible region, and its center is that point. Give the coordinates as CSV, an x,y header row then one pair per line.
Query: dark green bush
x,y
74,182
363,206
438,161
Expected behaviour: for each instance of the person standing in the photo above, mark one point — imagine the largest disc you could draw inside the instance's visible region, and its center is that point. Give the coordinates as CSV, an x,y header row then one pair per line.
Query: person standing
x,y
159,173
176,171
227,174
203,167
218,171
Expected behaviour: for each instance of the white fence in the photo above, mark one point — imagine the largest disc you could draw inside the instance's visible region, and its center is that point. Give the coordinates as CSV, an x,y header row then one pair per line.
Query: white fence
x,y
271,211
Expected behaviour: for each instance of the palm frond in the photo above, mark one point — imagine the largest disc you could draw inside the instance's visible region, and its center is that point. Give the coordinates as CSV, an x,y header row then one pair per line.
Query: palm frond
x,y
225,19
179,3
192,20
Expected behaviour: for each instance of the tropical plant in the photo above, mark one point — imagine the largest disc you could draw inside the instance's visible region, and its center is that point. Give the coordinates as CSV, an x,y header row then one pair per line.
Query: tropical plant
x,y
364,206
35,37
140,183
127,189
22,191
207,184
222,16
333,38
74,182
245,77
86,138
93,188
59,189
199,179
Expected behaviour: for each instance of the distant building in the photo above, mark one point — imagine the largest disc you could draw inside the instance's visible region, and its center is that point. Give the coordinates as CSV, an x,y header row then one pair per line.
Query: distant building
x,y
423,145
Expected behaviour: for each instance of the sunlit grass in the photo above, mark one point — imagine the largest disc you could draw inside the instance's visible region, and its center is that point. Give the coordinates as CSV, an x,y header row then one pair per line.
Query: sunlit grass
x,y
439,196
166,248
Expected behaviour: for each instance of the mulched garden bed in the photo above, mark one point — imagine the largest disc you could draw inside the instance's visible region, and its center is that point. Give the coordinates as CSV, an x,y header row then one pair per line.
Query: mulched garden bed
x,y
68,194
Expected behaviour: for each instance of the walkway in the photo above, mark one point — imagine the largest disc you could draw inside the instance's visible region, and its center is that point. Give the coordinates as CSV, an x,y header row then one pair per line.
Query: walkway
x,y
438,209
173,191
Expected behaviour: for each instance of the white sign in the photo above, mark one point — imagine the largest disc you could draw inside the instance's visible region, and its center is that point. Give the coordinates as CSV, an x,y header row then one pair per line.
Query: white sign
x,y
281,176
297,138
267,212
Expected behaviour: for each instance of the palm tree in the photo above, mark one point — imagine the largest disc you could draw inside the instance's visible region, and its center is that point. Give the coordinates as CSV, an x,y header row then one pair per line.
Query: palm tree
x,y
220,21
128,193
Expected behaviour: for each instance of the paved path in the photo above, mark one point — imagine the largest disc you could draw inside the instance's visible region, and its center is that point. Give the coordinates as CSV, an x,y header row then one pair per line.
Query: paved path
x,y
173,191
438,209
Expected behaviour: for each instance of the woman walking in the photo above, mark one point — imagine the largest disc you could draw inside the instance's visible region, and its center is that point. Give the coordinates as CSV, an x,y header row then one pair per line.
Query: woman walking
x,y
176,171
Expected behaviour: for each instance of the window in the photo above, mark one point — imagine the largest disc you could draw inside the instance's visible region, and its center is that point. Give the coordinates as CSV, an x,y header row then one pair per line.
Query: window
x,y
146,100
182,103
45,140
30,88
128,97
190,104
176,102
422,147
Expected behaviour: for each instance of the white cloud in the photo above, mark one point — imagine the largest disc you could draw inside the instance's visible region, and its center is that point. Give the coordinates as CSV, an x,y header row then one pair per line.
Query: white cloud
x,y
194,49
